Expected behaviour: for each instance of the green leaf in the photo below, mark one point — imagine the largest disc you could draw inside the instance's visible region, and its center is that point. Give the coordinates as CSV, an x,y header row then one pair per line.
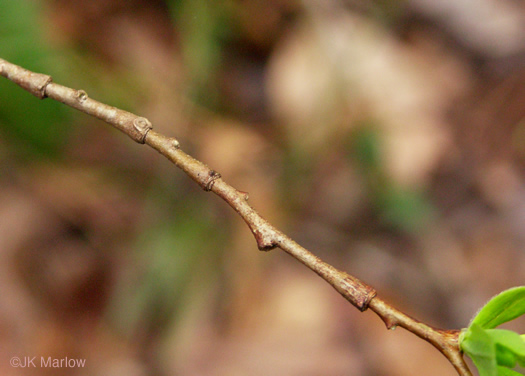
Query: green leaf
x,y
510,347
504,307
505,357
496,351
509,339
504,371
479,346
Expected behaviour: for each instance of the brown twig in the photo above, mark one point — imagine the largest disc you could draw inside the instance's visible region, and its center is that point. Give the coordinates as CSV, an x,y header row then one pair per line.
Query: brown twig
x,y
266,235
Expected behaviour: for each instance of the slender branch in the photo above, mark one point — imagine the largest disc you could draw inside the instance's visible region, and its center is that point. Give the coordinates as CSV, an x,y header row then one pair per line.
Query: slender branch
x,y
266,235
446,341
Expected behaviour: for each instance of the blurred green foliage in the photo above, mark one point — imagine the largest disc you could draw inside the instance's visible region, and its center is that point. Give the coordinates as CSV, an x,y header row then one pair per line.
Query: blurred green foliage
x,y
37,127
401,207
178,255
204,27
183,245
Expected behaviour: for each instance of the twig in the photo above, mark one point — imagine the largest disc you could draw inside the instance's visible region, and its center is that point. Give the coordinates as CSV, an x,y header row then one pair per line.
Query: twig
x,y
266,235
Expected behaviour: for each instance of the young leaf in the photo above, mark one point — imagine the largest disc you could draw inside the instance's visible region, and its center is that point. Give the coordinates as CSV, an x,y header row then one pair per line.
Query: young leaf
x,y
503,307
510,347
504,371
478,345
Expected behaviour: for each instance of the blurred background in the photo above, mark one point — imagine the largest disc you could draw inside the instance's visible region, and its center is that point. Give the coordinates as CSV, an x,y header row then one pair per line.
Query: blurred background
x,y
388,137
